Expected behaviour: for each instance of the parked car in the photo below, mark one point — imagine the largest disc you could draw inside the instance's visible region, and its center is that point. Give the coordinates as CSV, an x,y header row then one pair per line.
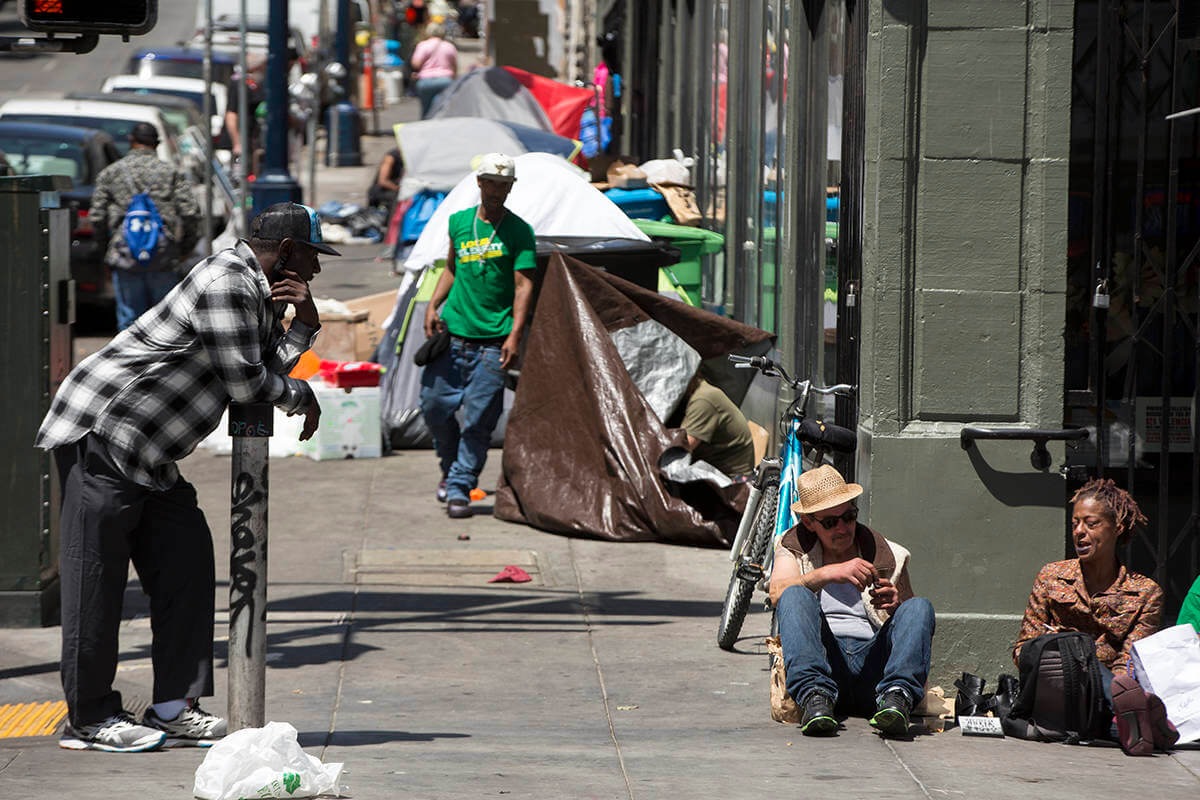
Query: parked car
x,y
185,124
78,153
177,62
180,114
191,89
115,119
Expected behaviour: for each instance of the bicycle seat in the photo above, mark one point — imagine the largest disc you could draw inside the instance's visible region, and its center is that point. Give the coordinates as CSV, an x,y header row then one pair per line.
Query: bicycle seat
x,y
827,435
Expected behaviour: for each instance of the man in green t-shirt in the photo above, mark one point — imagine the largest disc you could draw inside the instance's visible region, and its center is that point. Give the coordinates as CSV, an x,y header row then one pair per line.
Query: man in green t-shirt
x,y
486,290
717,431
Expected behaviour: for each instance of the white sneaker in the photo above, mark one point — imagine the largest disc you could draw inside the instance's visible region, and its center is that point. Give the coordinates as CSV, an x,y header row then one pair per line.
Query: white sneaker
x,y
120,733
194,726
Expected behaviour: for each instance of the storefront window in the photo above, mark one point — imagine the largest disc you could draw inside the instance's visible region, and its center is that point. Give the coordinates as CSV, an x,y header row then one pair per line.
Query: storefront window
x,y
713,288
833,180
774,102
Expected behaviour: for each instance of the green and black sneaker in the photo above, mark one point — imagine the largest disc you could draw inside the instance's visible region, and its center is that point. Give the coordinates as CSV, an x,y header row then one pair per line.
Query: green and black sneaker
x,y
816,717
891,712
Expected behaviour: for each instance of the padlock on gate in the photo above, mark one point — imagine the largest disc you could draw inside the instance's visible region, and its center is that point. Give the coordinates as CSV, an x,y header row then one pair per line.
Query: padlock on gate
x,y
1100,299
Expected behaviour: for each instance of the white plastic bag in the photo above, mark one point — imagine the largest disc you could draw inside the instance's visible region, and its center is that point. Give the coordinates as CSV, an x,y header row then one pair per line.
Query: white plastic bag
x,y
1168,664
263,762
670,170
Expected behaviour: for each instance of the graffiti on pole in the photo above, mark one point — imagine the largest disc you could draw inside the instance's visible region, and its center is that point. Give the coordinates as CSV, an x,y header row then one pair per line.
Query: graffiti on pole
x,y
243,566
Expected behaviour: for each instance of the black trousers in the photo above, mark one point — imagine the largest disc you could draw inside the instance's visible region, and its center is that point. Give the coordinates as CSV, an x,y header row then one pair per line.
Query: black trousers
x,y
108,520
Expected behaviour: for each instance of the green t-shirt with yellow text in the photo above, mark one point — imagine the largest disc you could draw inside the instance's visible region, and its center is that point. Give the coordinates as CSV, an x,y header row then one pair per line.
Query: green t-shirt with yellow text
x,y
480,303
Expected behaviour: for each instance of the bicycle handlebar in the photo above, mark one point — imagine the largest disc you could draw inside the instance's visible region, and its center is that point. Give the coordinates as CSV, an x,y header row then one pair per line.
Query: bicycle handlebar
x,y
769,367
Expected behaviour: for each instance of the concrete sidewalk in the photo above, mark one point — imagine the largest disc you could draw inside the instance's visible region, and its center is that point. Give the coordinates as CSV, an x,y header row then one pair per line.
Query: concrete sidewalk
x,y
388,650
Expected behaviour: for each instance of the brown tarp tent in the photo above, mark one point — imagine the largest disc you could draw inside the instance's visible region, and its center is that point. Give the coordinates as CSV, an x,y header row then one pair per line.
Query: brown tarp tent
x,y
583,445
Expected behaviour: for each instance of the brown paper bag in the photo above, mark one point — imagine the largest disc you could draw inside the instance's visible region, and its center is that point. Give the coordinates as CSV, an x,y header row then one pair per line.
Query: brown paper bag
x,y
783,707
626,176
682,202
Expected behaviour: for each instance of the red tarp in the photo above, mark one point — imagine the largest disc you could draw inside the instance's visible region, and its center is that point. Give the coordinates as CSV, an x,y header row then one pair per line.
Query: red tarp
x,y
563,104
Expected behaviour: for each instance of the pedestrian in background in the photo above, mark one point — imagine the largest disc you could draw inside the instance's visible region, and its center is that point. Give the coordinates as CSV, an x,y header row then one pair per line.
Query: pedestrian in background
x,y
137,286
434,64
118,424
487,291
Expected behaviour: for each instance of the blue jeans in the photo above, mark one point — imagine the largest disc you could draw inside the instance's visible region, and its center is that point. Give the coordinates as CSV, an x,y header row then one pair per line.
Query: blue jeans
x,y
853,671
428,89
137,292
467,375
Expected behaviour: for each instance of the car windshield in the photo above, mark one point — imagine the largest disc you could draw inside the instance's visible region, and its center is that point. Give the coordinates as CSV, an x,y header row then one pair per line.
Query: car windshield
x,y
32,155
196,98
118,129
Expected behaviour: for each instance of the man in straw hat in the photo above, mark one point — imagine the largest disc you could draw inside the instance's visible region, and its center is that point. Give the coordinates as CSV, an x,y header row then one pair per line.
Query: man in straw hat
x,y
853,635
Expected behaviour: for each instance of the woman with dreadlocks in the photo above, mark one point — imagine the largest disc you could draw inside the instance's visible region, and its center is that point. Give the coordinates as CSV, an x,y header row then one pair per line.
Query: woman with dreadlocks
x,y
1095,594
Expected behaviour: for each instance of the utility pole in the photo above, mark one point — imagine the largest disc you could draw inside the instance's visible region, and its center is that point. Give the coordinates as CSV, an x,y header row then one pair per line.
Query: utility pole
x,y
343,127
251,426
207,130
274,184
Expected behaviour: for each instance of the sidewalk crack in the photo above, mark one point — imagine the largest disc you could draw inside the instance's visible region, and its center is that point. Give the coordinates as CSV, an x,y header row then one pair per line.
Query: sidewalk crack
x,y
900,760
587,623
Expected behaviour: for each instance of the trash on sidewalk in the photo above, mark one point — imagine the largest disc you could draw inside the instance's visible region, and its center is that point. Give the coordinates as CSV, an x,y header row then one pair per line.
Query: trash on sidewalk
x,y
350,374
510,574
349,223
349,424
264,762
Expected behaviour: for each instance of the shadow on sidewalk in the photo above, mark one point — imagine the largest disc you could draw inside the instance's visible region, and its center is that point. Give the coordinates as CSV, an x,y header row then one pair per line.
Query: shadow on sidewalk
x,y
436,610
361,738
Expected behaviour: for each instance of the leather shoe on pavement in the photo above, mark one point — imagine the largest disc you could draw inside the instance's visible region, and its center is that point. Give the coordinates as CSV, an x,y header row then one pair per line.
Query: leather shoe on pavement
x,y
458,508
816,715
892,710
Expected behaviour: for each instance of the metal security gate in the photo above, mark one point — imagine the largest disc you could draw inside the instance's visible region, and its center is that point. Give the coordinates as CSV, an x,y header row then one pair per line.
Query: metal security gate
x,y
1133,294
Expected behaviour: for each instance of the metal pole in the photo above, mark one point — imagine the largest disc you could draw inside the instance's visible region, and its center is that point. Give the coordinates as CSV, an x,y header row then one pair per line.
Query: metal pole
x,y
272,181
243,131
314,120
251,427
208,139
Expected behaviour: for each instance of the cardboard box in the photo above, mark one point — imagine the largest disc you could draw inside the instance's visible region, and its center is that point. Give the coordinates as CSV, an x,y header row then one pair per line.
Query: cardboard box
x,y
369,332
338,339
350,426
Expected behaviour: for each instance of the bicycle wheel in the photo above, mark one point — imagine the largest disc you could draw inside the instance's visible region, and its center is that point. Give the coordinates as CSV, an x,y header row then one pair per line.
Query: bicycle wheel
x,y
741,586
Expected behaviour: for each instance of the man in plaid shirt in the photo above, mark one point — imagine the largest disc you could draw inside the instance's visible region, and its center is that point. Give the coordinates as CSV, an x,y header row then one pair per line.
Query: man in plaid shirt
x,y
118,424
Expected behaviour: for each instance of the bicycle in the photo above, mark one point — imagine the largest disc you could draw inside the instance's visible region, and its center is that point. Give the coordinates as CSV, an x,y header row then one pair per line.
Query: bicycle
x,y
765,516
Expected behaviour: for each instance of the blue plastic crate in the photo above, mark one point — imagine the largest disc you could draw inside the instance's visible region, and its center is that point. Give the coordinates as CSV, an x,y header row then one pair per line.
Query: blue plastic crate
x,y
639,203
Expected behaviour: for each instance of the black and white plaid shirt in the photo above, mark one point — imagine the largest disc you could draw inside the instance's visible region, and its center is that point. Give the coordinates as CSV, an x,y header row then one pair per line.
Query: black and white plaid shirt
x,y
160,386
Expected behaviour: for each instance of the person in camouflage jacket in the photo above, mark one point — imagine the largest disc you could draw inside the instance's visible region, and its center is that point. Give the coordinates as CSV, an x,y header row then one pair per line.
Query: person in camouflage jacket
x,y
137,288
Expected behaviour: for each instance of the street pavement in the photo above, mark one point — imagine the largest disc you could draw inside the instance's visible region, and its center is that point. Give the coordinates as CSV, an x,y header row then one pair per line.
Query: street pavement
x,y
389,651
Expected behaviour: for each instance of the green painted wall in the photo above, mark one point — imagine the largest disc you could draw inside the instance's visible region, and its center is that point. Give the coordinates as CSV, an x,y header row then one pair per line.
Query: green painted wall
x,y
964,272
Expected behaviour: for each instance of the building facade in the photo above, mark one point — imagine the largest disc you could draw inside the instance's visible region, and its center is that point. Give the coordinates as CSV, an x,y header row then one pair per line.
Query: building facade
x,y
938,201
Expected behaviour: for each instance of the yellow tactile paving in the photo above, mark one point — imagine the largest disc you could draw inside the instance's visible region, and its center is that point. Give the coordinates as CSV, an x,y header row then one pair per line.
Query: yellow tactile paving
x,y
31,719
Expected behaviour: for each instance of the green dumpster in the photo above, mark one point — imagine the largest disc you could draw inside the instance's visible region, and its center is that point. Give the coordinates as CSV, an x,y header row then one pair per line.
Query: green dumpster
x,y
692,244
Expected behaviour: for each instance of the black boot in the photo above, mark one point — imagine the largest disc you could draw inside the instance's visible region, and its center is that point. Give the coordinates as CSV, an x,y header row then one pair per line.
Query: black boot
x,y
970,700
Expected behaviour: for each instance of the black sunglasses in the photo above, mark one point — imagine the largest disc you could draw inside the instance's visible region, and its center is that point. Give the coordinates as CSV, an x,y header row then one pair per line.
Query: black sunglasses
x,y
829,523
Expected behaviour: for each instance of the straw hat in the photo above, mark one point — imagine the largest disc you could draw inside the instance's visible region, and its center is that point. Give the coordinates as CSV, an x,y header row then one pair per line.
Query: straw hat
x,y
822,488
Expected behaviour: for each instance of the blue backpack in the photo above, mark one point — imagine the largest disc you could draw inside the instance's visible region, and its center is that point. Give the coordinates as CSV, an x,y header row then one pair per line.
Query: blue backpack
x,y
143,232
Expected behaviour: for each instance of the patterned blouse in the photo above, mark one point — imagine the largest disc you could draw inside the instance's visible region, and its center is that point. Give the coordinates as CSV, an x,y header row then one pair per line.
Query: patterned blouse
x,y
1129,610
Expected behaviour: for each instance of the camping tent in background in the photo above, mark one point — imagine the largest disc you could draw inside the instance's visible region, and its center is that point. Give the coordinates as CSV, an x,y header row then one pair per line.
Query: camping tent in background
x,y
492,93
570,464
550,194
568,216
439,152
564,104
